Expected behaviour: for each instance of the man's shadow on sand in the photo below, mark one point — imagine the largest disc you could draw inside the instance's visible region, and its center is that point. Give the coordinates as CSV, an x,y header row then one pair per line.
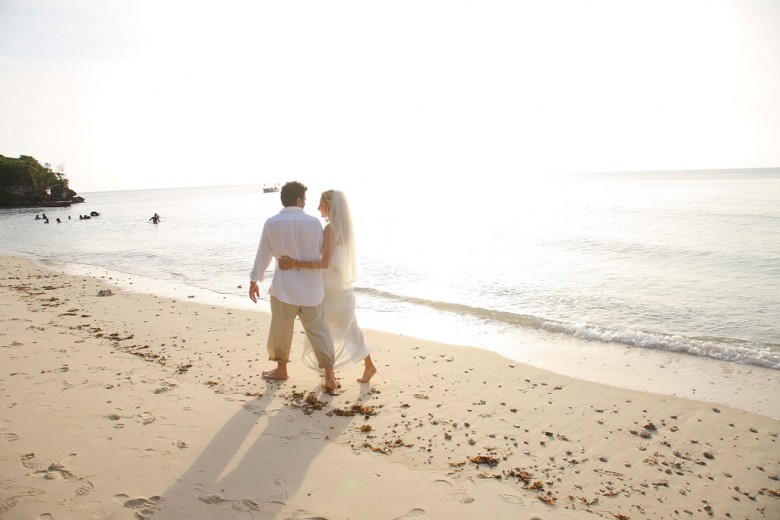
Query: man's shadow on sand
x,y
255,462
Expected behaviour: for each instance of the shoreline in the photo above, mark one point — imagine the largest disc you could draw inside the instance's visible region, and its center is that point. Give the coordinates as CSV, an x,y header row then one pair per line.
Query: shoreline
x,y
129,405
743,386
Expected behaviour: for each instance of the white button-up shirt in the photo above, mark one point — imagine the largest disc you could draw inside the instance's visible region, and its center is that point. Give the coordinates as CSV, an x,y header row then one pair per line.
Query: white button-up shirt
x,y
295,234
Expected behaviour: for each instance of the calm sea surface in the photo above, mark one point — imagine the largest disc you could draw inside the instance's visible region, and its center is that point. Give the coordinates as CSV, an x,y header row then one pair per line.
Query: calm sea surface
x,y
686,262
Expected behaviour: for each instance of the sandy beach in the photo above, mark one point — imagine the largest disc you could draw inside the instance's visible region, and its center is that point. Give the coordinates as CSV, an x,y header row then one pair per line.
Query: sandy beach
x,y
130,406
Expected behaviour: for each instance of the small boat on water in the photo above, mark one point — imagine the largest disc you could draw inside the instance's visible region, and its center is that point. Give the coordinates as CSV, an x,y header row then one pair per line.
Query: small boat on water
x,y
270,188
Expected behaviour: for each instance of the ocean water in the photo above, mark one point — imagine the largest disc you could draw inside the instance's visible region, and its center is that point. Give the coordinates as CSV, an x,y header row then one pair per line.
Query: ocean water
x,y
687,262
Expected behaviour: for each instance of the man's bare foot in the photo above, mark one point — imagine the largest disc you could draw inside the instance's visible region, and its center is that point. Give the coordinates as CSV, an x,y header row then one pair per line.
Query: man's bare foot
x,y
368,373
330,380
276,373
330,385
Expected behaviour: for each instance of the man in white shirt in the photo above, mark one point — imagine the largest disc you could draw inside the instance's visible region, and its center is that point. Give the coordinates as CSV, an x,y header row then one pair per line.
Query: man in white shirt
x,y
295,292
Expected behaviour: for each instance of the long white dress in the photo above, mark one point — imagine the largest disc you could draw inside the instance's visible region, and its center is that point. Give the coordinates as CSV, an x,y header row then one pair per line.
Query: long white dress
x,y
339,309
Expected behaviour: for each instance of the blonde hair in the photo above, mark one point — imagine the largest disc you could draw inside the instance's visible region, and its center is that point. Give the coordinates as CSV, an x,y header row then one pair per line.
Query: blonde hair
x,y
327,196
340,222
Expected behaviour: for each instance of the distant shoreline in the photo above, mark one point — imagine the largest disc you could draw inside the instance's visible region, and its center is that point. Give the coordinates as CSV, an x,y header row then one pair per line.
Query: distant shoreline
x,y
568,174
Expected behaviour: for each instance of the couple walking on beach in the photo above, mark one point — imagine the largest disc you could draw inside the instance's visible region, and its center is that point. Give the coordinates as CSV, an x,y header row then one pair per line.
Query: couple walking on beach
x,y
316,270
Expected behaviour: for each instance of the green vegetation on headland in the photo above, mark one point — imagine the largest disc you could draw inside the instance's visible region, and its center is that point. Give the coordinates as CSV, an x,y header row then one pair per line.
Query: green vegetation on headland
x,y
24,182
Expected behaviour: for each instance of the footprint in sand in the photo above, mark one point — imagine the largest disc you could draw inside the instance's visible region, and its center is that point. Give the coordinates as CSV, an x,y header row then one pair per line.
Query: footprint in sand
x,y
144,507
147,418
9,503
10,437
244,504
300,514
86,488
458,496
136,503
29,463
442,483
513,499
133,503
414,513
312,434
280,496
462,497
212,500
255,409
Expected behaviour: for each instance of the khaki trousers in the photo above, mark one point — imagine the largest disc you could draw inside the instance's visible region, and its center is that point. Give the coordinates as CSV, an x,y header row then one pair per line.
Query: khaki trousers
x,y
281,333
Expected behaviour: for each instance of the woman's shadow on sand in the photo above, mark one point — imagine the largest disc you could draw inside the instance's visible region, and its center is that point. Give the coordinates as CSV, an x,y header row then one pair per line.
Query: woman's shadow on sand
x,y
256,461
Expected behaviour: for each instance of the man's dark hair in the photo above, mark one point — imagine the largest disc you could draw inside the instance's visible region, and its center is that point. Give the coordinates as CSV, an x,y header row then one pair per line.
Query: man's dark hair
x,y
290,193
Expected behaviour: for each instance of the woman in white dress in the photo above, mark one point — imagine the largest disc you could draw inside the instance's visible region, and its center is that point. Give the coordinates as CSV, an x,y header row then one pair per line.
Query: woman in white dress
x,y
340,274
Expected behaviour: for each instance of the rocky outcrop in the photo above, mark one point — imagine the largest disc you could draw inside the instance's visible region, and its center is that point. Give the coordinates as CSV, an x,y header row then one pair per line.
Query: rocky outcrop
x,y
24,182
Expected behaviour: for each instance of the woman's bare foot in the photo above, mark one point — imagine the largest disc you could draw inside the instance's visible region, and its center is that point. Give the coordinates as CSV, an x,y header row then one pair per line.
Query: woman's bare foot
x,y
276,373
368,373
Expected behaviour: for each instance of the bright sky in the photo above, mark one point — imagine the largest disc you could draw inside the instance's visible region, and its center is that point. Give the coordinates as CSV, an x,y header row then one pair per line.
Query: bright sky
x,y
163,93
